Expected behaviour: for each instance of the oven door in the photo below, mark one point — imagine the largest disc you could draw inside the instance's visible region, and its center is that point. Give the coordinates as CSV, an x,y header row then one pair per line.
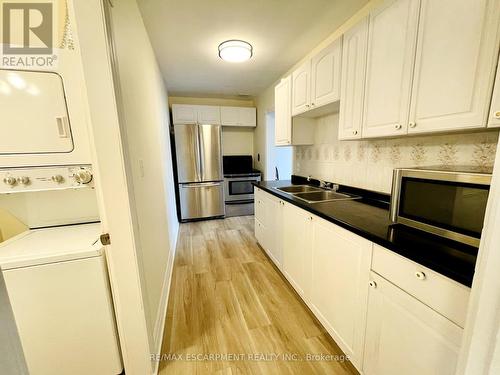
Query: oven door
x,y
239,188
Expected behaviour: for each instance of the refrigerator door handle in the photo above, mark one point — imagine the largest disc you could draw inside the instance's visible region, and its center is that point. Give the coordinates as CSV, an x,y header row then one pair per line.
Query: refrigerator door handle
x,y
200,154
203,184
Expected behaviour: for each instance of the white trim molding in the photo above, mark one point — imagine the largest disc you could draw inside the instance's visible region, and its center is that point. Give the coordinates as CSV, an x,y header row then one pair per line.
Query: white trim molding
x,y
161,317
481,344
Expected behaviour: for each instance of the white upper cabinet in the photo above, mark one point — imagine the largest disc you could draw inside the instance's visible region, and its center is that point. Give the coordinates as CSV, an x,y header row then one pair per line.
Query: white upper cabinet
x,y
326,68
208,114
35,118
317,82
230,116
238,116
391,56
494,119
301,89
353,81
184,114
192,114
248,116
283,114
455,64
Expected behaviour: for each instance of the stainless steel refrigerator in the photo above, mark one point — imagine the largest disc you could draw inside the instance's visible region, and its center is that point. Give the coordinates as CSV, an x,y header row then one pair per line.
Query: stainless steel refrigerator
x,y
199,170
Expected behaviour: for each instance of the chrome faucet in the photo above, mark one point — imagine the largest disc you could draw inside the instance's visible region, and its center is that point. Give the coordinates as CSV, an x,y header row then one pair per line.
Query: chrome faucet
x,y
325,185
328,185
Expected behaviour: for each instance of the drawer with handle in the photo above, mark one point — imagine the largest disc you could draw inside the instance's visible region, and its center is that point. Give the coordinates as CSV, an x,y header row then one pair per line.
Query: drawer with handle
x,y
442,294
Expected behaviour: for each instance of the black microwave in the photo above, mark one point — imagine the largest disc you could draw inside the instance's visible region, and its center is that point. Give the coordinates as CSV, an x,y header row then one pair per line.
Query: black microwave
x,y
447,202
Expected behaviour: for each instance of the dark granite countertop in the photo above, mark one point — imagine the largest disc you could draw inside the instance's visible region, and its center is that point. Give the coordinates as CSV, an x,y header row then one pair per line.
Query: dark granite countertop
x,y
369,218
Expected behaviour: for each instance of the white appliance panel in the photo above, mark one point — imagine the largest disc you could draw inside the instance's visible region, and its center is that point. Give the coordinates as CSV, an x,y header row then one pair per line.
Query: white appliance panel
x,y
60,295
50,245
65,317
22,180
34,113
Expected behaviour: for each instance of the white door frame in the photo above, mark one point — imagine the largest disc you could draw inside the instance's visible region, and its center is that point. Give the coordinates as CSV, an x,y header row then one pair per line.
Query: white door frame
x,y
112,186
480,353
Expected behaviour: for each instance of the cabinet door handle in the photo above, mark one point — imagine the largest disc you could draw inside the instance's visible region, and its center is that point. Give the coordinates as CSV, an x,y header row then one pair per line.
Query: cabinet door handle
x,y
372,284
413,125
497,114
310,218
420,275
398,126
355,132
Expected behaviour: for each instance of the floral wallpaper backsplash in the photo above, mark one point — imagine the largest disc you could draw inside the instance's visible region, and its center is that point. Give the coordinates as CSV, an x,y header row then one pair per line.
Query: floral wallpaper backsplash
x,y
369,164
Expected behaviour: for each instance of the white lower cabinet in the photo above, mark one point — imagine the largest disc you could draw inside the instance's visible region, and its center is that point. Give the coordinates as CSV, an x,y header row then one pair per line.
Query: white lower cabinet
x,y
406,322
260,233
404,336
297,244
269,225
274,228
339,292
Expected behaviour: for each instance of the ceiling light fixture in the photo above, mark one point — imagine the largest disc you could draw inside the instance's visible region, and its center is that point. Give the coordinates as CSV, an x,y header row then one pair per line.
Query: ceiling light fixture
x,y
235,51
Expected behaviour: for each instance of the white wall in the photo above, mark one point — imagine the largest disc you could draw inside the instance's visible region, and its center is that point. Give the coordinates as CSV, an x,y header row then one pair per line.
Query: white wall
x,y
237,141
280,158
265,104
145,121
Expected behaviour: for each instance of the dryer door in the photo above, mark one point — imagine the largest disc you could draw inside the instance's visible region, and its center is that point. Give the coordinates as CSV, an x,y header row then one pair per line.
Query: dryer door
x,y
34,114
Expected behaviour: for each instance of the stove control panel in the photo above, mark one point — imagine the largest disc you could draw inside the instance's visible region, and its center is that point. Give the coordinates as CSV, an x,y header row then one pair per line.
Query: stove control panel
x,y
17,180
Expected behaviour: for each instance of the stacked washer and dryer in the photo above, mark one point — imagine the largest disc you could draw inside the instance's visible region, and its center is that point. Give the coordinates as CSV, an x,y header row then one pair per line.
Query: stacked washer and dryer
x,y
51,254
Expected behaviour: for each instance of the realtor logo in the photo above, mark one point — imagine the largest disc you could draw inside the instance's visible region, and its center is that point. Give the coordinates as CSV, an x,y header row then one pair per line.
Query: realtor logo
x,y
27,28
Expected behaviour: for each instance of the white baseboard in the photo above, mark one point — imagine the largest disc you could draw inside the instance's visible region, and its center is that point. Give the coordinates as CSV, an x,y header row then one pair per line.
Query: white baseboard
x,y
162,310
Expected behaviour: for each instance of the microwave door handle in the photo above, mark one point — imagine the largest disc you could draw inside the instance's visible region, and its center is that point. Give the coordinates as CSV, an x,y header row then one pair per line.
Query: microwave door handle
x,y
396,194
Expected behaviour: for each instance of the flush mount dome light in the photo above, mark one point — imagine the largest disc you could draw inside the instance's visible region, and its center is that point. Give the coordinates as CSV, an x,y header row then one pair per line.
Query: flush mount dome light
x,y
235,51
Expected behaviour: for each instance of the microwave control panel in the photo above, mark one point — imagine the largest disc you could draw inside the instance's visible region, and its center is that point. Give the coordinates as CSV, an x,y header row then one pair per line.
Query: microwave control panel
x,y
18,180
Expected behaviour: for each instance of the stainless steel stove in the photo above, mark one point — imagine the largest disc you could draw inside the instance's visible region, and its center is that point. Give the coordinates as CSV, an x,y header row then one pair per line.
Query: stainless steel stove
x,y
238,189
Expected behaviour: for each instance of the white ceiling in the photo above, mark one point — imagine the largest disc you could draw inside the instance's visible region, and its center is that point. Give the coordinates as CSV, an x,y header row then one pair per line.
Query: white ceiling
x,y
186,33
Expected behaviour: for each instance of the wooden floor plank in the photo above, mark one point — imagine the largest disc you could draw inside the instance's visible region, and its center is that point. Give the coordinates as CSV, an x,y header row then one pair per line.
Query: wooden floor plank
x,y
228,299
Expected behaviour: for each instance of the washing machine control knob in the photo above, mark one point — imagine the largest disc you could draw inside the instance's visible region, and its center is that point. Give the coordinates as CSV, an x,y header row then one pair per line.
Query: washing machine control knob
x,y
12,181
25,180
83,176
57,178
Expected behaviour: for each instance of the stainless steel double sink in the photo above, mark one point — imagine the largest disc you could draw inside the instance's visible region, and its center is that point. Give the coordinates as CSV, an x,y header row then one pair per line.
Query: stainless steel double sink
x,y
311,194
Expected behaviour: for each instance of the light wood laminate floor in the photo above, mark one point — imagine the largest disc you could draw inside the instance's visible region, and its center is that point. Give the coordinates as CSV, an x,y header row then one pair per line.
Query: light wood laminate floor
x,y
228,298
